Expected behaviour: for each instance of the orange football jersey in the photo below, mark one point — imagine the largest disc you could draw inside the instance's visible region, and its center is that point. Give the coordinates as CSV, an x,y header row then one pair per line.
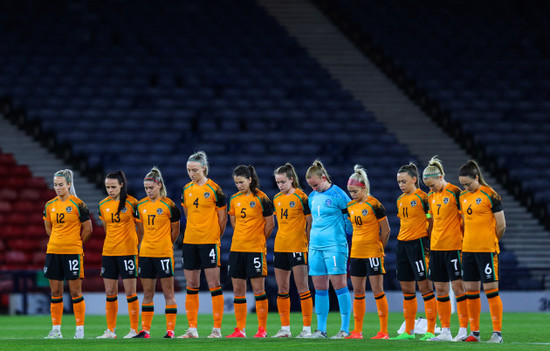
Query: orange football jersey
x,y
478,209
202,204
157,218
447,222
412,210
291,212
66,218
249,211
365,219
120,229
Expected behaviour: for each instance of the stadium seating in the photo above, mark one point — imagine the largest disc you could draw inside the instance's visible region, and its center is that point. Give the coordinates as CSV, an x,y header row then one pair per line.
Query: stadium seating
x,y
487,66
132,84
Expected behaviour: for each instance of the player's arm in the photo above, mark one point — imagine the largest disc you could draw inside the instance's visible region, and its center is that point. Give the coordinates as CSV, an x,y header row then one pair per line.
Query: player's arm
x,y
384,231
269,225
232,220
86,231
174,230
185,212
309,220
48,227
222,219
501,224
139,231
430,224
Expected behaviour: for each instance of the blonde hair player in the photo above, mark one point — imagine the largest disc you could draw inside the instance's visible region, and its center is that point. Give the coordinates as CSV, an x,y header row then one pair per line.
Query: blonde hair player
x,y
205,208
290,253
484,226
68,225
328,248
159,221
445,249
413,251
371,231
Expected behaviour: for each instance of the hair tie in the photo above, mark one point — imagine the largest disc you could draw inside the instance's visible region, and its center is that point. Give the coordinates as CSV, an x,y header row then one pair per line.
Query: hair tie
x,y
355,182
196,160
153,180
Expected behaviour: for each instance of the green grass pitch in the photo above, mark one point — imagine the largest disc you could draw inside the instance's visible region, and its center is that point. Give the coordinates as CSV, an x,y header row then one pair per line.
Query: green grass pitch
x,y
521,331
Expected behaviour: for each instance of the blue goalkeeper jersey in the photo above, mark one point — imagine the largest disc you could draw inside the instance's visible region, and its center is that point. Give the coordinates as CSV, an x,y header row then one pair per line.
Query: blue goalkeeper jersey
x,y
330,224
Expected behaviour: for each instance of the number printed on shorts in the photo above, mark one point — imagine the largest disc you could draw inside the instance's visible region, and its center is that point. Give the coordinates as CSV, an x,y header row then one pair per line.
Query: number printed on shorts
x,y
488,269
165,264
374,262
419,265
455,263
129,265
257,262
212,254
74,265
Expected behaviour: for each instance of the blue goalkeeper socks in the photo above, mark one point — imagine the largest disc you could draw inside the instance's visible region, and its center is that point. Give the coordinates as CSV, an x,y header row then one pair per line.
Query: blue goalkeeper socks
x,y
321,309
344,301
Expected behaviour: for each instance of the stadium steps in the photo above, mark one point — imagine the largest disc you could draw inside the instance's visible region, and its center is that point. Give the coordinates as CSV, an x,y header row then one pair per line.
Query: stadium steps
x,y
43,163
401,116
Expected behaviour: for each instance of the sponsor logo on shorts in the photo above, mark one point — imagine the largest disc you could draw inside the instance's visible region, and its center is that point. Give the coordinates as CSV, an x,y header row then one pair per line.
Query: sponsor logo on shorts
x,y
159,211
365,212
413,203
292,204
102,270
69,209
252,204
45,269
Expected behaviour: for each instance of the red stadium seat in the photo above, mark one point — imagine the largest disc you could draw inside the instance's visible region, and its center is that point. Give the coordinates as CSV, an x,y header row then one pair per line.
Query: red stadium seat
x,y
5,206
8,194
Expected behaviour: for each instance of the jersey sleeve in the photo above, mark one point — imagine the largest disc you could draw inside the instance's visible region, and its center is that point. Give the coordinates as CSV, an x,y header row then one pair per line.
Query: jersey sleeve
x,y
305,204
424,200
183,199
45,214
267,206
221,199
84,212
379,210
429,201
175,214
231,210
496,201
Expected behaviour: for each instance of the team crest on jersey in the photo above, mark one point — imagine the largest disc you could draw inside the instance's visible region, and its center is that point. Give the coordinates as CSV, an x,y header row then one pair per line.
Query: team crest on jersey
x,y
413,203
478,200
124,210
446,200
252,204
328,202
206,195
159,211
69,209
365,212
292,204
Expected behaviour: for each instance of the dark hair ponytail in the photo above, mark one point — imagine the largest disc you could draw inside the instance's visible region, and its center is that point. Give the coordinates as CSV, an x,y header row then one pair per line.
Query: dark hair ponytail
x,y
121,177
250,173
471,169
412,170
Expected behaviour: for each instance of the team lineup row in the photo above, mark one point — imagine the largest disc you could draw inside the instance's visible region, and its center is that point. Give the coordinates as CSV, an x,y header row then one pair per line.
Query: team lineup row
x,y
445,236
